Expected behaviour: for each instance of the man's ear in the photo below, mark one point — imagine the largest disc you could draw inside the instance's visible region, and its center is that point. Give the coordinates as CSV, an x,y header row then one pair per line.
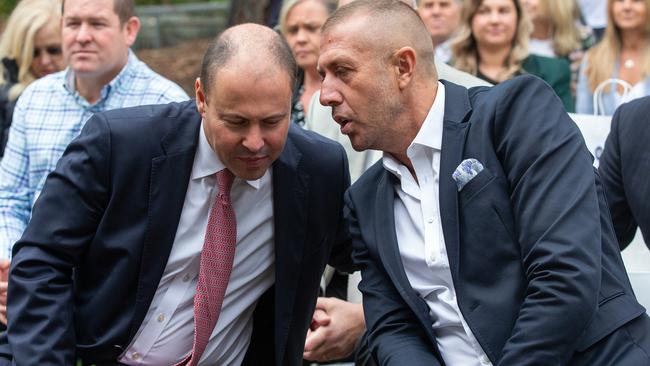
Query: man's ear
x,y
200,97
131,29
404,62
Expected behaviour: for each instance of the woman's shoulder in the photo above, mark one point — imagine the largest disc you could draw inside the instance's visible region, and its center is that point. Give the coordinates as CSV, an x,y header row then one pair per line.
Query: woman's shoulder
x,y
543,66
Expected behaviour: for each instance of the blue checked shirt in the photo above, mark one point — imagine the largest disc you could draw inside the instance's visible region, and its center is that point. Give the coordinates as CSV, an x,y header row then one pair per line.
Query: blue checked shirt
x,y
48,115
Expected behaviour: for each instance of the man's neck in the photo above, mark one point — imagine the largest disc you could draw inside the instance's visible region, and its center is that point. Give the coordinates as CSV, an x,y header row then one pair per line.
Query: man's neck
x,y
422,100
90,86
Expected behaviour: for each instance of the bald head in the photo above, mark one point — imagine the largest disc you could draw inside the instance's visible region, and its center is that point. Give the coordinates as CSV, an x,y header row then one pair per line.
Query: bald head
x,y
250,47
375,17
412,3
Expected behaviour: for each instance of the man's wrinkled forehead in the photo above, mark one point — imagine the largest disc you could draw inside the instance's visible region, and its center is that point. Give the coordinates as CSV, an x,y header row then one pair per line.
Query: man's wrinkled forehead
x,y
343,42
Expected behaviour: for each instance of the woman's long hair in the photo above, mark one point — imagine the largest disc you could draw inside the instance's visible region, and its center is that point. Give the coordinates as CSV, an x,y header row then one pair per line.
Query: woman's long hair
x,y
465,50
17,42
608,50
562,14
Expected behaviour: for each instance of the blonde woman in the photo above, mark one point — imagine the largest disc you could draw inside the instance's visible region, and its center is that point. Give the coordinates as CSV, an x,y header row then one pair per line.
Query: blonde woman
x,y
493,45
557,32
623,53
300,23
30,48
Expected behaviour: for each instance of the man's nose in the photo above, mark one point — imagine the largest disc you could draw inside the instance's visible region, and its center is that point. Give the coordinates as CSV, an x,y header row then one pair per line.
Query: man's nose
x,y
329,95
84,34
254,139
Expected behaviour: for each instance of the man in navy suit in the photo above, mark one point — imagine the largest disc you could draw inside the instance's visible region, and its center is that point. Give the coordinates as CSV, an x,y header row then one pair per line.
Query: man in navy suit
x,y
482,235
107,269
624,167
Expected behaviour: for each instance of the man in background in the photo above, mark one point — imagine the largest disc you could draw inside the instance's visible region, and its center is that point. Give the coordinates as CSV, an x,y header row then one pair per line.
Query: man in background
x,y
442,18
102,74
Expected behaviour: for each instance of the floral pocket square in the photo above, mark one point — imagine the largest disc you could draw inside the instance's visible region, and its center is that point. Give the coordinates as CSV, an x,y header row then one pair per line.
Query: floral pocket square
x,y
466,171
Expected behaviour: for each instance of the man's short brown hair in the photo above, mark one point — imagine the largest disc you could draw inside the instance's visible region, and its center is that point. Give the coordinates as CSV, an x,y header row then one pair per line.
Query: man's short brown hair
x,y
125,9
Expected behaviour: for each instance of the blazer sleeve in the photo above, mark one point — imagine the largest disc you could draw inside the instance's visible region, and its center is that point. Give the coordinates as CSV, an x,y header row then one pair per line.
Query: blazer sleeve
x,y
610,172
395,336
41,329
557,222
341,255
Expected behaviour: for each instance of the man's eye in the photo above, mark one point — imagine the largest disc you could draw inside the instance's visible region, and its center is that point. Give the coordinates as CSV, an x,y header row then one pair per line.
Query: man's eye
x,y
341,71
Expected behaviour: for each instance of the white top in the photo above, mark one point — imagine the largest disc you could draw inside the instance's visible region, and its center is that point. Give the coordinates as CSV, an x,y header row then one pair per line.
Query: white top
x,y
541,47
166,334
443,51
422,244
594,12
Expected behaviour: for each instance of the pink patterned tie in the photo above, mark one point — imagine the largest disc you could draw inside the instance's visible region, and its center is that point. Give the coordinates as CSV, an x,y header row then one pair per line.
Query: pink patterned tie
x,y
216,264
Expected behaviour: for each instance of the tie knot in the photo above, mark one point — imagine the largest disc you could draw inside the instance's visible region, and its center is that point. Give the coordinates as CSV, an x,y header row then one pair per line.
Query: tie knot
x,y
224,181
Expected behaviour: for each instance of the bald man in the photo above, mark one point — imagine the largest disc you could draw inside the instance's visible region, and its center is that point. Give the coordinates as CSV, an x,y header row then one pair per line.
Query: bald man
x,y
482,234
184,234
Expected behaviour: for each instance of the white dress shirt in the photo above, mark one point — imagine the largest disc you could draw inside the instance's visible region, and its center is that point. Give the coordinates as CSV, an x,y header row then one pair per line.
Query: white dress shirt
x,y
166,334
421,242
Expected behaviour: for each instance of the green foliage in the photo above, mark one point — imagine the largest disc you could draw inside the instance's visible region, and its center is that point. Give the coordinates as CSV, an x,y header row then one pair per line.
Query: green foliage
x,y
6,6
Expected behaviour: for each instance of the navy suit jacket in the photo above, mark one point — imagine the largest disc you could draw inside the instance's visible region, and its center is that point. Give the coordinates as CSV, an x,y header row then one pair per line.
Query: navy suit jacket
x,y
88,265
624,168
534,261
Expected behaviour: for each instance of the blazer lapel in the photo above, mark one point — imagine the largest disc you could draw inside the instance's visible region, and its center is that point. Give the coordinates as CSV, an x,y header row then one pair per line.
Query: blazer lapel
x,y
457,111
290,192
170,174
388,247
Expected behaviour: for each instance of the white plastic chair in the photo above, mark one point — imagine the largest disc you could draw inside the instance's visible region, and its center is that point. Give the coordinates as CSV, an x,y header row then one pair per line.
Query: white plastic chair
x,y
599,109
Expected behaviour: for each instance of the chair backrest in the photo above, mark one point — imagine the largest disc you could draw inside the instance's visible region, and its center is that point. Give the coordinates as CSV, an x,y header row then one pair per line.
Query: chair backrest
x,y
599,108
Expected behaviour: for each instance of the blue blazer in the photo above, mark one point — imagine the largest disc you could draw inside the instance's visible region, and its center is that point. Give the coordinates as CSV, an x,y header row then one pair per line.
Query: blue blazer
x,y
86,269
624,166
533,257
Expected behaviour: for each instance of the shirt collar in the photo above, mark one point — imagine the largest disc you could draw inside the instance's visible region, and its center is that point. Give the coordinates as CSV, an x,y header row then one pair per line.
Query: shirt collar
x,y
207,162
429,136
120,81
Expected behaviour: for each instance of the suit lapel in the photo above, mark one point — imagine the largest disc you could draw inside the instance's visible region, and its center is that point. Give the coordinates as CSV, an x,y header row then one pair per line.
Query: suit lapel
x,y
170,174
388,247
457,111
290,211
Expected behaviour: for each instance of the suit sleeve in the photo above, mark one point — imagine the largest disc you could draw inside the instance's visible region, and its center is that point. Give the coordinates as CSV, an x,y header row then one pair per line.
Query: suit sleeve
x,y
557,222
610,172
341,256
65,218
395,336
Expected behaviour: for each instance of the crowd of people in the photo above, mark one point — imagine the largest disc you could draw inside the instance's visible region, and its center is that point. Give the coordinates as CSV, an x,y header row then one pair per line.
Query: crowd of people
x,y
377,182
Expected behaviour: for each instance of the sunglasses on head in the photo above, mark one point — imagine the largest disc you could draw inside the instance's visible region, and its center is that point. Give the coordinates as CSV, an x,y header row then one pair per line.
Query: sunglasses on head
x,y
50,50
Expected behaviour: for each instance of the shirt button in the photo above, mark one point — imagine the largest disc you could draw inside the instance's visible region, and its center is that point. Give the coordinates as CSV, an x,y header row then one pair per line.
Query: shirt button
x,y
161,318
430,220
186,277
135,356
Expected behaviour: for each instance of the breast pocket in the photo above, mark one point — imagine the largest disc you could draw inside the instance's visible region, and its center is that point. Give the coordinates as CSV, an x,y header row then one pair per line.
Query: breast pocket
x,y
475,186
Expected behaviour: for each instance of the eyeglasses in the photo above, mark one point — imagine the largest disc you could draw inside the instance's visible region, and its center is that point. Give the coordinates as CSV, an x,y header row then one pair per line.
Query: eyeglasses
x,y
50,50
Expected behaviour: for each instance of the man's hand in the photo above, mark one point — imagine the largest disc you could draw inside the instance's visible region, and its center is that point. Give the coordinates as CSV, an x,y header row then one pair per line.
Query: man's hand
x,y
4,281
335,330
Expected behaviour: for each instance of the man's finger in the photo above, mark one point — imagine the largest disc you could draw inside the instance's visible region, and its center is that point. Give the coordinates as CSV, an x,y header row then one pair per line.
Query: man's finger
x,y
324,303
315,339
319,319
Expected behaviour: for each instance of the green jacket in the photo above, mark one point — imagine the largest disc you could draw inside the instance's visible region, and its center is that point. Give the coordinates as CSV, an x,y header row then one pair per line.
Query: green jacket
x,y
555,72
